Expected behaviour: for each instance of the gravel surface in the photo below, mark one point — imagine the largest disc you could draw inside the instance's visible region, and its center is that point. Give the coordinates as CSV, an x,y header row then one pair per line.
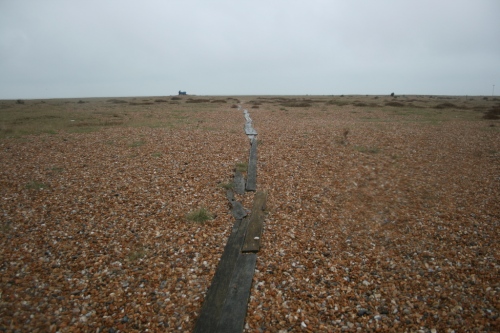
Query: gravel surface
x,y
378,220
392,227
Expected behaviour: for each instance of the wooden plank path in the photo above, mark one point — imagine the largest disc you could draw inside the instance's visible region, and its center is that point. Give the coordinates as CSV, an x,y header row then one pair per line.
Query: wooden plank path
x,y
252,167
255,224
225,305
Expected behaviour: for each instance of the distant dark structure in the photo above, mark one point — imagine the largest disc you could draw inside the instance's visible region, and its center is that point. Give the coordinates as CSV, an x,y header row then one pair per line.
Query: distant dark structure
x,y
182,93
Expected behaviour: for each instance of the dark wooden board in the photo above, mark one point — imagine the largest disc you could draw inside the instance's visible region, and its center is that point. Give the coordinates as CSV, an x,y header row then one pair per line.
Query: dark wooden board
x,y
252,167
255,224
217,293
234,311
237,210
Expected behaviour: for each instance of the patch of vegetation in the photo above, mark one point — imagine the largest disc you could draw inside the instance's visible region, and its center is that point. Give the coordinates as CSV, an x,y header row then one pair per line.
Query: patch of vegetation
x,y
234,106
395,104
446,105
116,101
57,169
255,106
369,150
218,101
227,186
136,254
360,104
5,227
160,101
35,185
83,129
137,143
141,103
200,215
201,100
493,113
242,167
176,98
156,155
337,103
344,140
297,104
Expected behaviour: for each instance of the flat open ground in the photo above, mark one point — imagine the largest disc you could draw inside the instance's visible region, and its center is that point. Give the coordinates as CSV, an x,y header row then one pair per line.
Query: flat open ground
x,y
383,213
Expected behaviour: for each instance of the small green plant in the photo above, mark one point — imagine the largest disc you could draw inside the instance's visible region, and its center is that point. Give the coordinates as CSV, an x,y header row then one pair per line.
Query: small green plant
x,y
156,154
241,166
138,253
227,186
137,143
34,185
369,150
200,215
344,140
5,227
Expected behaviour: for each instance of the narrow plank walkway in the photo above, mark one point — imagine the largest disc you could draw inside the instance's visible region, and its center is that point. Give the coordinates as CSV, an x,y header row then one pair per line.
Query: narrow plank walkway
x,y
225,306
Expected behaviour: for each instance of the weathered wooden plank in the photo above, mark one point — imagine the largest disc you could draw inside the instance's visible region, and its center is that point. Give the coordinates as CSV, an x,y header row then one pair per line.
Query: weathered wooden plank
x,y
217,293
234,311
249,130
239,183
230,195
255,224
238,211
252,167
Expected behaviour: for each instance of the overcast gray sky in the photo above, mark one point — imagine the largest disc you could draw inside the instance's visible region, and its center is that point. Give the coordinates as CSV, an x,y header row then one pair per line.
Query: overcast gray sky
x,y
104,48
